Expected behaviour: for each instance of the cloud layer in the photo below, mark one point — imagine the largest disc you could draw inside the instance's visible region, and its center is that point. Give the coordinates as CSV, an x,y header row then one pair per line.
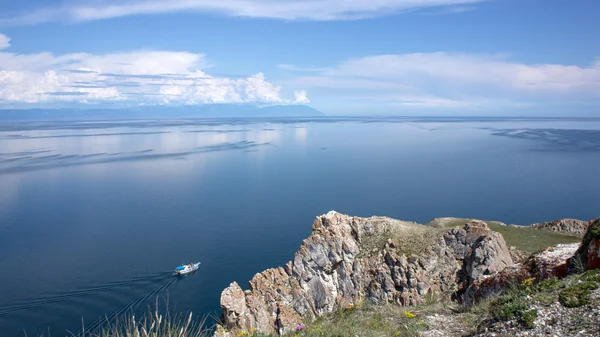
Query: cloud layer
x,y
139,77
322,10
452,80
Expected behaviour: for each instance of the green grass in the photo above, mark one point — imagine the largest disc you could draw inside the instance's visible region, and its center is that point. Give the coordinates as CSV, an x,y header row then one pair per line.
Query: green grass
x,y
367,321
475,315
527,240
530,240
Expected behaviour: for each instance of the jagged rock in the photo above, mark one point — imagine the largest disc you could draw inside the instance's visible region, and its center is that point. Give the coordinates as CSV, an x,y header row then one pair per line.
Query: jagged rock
x,y
489,253
494,284
517,255
589,252
566,226
552,261
347,260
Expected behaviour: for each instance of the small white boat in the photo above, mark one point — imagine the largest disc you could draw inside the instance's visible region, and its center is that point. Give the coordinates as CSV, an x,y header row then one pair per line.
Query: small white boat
x,y
187,268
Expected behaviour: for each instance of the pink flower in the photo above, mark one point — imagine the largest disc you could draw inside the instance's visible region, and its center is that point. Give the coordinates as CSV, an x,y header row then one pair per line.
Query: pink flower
x,y
299,328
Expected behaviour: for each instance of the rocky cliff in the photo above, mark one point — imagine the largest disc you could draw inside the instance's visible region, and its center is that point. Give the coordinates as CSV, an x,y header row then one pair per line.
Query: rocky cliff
x,y
347,260
568,226
588,254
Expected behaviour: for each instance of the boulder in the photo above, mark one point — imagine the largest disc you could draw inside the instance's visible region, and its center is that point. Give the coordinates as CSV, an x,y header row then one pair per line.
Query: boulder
x,y
552,261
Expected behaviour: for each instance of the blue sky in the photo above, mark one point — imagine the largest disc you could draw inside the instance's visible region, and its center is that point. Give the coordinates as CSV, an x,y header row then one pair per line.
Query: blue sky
x,y
407,57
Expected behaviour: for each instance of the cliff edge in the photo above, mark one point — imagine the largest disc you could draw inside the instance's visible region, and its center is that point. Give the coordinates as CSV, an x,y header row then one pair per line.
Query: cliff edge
x,y
347,260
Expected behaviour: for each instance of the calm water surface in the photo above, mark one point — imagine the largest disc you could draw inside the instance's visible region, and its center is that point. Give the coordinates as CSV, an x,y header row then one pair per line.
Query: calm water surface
x,y
93,216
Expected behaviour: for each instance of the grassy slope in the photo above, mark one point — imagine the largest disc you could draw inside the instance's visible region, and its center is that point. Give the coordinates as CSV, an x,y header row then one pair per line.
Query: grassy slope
x,y
528,240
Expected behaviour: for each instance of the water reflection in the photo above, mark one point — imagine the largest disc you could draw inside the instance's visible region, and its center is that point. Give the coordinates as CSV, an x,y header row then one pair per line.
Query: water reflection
x,y
556,139
35,150
301,134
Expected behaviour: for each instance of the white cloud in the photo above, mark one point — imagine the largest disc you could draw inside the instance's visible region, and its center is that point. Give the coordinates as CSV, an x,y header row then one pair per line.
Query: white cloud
x,y
140,77
4,41
470,69
452,80
77,11
301,97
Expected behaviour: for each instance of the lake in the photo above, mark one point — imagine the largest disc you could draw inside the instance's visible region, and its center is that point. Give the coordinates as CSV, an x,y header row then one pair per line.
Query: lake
x,y
94,216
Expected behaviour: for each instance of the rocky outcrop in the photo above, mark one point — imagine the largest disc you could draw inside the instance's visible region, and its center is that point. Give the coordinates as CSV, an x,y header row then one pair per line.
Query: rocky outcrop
x,y
552,261
588,254
556,261
566,226
347,260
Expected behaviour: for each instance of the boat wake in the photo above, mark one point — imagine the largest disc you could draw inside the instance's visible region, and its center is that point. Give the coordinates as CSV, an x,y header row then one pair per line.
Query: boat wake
x,y
133,282
97,325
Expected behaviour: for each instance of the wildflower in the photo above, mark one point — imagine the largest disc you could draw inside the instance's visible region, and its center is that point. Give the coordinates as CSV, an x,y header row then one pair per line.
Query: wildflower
x,y
527,283
409,314
243,333
299,328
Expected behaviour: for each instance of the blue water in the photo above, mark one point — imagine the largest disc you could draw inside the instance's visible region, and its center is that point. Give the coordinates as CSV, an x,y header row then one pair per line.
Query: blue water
x,y
93,216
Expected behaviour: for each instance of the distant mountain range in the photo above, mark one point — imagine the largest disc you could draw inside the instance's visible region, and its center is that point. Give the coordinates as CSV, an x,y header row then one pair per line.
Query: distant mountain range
x,y
206,110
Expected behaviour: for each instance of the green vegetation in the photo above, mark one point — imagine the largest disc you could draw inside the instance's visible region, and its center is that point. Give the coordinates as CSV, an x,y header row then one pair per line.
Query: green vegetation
x,y
367,321
577,289
509,306
529,317
595,230
527,240
578,294
591,275
530,240
545,291
475,315
364,321
518,301
550,284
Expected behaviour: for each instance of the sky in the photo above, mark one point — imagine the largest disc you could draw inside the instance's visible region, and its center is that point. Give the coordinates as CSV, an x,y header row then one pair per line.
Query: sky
x,y
351,57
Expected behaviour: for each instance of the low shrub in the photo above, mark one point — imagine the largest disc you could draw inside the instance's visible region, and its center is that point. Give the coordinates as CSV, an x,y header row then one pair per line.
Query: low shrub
x,y
577,295
551,284
528,317
507,307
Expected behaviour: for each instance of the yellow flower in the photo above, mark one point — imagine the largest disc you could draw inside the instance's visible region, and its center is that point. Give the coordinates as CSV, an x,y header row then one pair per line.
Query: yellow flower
x,y
527,283
408,314
242,334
